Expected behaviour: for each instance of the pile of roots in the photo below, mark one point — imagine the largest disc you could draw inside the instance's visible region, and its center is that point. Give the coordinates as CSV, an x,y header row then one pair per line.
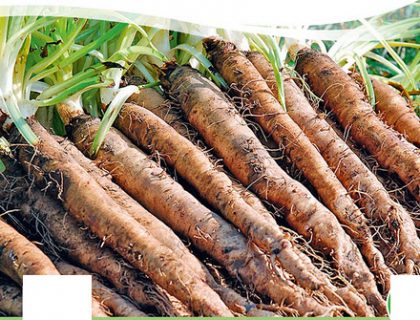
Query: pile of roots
x,y
203,202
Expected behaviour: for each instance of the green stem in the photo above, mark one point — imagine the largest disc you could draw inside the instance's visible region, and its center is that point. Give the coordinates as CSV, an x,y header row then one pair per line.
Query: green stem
x,y
13,111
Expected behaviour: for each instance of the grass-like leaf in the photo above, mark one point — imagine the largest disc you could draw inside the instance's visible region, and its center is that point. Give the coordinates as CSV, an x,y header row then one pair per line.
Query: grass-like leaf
x,y
12,109
361,65
2,167
202,59
391,52
269,48
110,115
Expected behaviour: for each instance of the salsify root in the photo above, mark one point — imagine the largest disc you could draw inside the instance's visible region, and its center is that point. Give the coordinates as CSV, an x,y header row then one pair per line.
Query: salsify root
x,y
220,124
19,256
345,98
276,122
364,187
10,299
74,186
374,197
396,111
151,132
166,199
50,219
153,101
159,230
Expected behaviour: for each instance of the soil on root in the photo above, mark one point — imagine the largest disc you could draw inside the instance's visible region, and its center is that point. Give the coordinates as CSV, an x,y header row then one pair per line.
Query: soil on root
x,y
44,220
398,191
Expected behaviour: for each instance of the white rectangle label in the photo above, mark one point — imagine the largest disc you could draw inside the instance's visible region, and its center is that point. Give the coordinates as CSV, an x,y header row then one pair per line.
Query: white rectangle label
x,y
405,297
57,297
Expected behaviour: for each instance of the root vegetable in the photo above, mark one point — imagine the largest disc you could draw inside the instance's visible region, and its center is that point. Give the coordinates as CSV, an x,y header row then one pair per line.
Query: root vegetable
x,y
364,187
165,198
156,103
159,230
344,97
258,99
151,132
394,110
19,256
220,125
48,161
43,212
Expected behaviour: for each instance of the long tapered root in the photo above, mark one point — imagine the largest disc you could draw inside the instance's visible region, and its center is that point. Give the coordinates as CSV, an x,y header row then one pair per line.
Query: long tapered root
x,y
344,163
212,115
74,186
394,153
19,256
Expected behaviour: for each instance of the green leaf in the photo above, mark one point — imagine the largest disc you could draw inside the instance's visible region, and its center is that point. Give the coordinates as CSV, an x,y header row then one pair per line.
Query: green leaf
x,y
46,62
2,167
73,80
110,116
391,52
202,59
385,62
77,88
269,48
361,65
112,33
13,111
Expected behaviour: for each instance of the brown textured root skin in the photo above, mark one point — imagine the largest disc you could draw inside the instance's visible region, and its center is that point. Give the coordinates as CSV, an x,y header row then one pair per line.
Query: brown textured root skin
x,y
87,252
341,160
221,126
396,111
153,134
259,100
106,296
36,207
344,97
166,199
154,102
10,300
149,131
362,184
159,230
151,100
238,70
156,227
112,224
19,256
